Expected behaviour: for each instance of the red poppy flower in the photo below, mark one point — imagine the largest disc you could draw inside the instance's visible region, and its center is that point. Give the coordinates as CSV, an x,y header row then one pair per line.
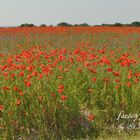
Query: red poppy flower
x,y
21,93
109,69
6,88
129,84
90,117
79,69
61,86
63,97
16,88
1,107
94,79
27,83
21,74
116,73
60,90
53,95
18,102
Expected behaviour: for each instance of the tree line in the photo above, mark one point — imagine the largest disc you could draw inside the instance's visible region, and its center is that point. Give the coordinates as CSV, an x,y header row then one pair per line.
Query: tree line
x,y
65,24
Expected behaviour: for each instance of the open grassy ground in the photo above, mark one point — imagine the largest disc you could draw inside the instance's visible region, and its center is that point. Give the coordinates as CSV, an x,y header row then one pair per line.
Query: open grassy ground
x,y
70,83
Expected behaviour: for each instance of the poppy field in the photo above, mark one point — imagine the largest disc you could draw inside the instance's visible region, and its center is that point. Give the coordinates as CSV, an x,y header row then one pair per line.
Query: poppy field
x,y
69,82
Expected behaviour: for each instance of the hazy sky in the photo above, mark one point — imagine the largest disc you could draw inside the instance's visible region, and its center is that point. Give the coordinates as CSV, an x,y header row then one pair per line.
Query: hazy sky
x,y
15,12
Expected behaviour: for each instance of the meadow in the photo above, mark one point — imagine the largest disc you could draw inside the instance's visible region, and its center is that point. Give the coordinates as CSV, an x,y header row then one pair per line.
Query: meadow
x,y
69,83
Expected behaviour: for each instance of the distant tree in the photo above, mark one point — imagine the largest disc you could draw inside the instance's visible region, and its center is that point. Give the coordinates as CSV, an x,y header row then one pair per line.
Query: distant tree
x,y
27,25
118,24
135,23
31,25
75,25
63,24
104,24
84,24
42,25
24,25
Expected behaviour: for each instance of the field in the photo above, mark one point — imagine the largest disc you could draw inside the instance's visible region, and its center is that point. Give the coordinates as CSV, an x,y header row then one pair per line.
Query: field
x,y
69,83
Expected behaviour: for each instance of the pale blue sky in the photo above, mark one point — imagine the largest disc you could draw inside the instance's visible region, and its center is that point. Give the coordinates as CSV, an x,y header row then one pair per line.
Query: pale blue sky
x,y
15,12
